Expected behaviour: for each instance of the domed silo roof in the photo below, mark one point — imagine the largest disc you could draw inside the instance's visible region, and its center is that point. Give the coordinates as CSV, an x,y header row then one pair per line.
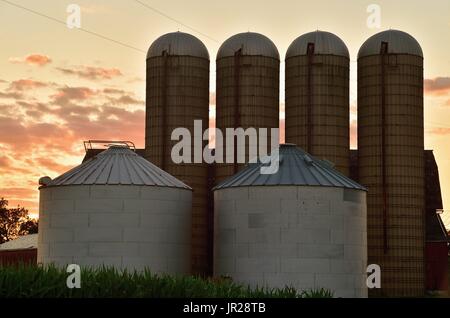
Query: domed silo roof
x,y
178,43
251,43
399,42
296,167
118,165
325,43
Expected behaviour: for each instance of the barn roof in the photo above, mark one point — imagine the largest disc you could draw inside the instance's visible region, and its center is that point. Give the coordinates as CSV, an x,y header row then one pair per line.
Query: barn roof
x,y
22,242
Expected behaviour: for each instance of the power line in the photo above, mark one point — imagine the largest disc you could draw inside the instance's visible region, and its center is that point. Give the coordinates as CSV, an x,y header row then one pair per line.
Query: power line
x,y
65,24
175,20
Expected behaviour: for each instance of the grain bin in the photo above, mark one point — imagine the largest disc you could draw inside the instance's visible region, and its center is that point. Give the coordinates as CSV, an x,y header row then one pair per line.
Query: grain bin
x,y
177,94
304,226
391,162
247,90
317,97
116,209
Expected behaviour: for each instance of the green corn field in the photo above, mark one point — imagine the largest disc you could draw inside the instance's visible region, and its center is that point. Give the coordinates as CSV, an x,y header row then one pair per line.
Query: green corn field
x,y
26,281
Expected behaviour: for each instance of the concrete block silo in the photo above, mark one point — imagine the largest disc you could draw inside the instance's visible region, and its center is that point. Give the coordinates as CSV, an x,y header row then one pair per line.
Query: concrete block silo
x,y
116,209
317,97
247,90
304,226
177,93
391,158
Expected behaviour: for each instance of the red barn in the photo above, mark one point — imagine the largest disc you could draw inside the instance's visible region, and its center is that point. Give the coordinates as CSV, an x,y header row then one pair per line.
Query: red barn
x,y
20,250
436,244
436,238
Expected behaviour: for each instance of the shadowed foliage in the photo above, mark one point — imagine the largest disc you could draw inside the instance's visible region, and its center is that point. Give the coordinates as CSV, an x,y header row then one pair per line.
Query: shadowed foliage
x,y
50,282
15,222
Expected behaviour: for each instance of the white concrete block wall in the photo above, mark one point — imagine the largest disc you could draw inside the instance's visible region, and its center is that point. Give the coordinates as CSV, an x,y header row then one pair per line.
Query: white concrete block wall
x,y
304,237
132,227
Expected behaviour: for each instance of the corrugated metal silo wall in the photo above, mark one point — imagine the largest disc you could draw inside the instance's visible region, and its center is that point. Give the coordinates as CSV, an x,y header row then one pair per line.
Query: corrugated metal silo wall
x,y
317,106
392,167
178,94
247,95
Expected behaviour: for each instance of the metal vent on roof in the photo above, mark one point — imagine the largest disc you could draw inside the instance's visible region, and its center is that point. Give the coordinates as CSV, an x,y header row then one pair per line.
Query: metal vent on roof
x,y
308,160
117,165
297,168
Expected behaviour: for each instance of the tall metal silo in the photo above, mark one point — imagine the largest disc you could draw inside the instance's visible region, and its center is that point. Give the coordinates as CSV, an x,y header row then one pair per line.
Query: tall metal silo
x,y
247,90
317,97
391,158
177,94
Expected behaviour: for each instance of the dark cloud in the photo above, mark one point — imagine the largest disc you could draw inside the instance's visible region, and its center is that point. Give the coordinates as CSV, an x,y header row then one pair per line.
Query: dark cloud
x,y
437,86
91,72
67,94
12,95
25,84
126,100
114,91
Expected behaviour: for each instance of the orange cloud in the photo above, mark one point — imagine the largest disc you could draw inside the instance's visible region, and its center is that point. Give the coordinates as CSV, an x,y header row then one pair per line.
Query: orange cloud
x,y
91,72
126,100
353,134
136,80
16,192
212,98
24,84
66,94
52,165
353,109
5,162
437,86
30,150
31,205
41,136
22,137
441,131
11,95
129,125
32,59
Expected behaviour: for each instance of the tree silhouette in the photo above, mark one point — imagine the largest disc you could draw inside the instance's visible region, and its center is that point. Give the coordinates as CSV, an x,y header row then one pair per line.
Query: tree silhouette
x,y
15,222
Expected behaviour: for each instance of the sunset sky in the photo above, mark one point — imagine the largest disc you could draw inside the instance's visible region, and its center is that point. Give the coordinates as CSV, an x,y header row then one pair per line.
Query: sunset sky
x,y
60,86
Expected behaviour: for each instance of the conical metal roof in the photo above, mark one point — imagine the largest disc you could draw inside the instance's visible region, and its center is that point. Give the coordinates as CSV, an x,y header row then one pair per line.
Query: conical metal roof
x,y
118,165
325,43
296,167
